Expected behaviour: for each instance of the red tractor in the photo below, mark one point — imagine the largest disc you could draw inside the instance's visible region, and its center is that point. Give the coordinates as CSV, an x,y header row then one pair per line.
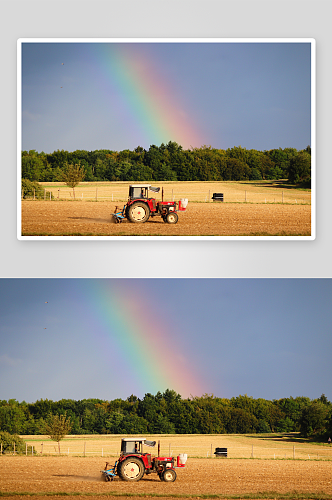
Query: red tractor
x,y
140,207
133,463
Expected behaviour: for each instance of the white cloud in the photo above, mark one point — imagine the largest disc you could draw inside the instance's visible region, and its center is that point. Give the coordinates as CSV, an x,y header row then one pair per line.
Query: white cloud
x,y
30,116
6,360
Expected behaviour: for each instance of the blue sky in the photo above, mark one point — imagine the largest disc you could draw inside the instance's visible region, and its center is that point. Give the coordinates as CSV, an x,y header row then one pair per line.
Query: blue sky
x,y
268,338
256,95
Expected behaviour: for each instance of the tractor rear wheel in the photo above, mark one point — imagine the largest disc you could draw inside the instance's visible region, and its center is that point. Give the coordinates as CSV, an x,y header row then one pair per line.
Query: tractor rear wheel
x,y
172,218
132,469
138,212
169,475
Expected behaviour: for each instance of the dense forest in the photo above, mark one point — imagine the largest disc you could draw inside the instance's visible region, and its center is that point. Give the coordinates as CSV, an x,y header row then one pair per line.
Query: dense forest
x,y
172,163
170,414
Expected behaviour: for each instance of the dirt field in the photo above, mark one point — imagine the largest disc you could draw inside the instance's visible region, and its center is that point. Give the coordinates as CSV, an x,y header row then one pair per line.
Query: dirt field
x,y
200,477
83,218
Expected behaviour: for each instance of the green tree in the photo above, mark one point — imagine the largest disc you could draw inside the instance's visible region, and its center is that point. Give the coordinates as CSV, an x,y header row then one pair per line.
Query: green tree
x,y
57,427
162,426
314,419
285,425
12,416
236,170
242,422
292,408
299,169
73,175
32,165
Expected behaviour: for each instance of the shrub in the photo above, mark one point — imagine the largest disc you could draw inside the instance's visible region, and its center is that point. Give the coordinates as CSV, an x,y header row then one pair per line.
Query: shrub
x,y
8,441
31,189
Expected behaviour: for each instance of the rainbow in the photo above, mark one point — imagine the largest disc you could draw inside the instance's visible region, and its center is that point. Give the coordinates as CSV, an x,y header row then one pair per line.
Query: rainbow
x,y
143,354
148,102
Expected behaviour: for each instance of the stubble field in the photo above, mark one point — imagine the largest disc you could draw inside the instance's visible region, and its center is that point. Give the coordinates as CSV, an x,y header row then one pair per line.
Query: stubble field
x,y
200,219
248,210
75,475
310,474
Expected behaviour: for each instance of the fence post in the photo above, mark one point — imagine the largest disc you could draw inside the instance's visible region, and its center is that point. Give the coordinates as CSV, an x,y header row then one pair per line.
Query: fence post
x,y
58,193
32,449
245,196
42,445
252,451
44,194
282,196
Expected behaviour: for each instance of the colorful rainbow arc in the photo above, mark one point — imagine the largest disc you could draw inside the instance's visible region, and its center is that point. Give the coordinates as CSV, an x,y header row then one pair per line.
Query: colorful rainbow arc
x,y
128,329
146,98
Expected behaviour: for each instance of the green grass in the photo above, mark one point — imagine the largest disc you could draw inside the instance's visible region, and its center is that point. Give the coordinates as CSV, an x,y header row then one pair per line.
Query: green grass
x,y
293,495
163,235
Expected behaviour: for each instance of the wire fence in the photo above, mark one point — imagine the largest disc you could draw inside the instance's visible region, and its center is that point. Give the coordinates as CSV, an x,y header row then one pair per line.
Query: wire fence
x,y
193,191
110,447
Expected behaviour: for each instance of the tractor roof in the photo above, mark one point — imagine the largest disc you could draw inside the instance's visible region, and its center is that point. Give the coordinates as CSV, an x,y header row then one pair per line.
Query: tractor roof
x,y
140,440
148,186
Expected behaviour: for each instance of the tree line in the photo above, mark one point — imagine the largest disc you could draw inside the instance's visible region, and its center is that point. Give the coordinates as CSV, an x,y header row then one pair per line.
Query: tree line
x,y
170,414
170,162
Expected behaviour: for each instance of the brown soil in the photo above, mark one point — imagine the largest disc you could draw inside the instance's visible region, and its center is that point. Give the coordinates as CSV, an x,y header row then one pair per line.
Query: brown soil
x,y
65,218
200,476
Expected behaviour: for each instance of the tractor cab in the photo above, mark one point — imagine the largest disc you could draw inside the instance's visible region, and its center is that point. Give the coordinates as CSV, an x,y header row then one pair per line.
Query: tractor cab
x,y
134,446
141,191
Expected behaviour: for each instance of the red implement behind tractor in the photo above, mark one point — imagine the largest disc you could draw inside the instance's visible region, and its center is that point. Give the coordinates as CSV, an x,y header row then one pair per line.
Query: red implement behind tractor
x,y
133,463
140,206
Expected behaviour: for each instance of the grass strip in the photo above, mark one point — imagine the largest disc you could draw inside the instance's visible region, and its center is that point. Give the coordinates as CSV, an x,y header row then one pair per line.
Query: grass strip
x,y
167,235
273,495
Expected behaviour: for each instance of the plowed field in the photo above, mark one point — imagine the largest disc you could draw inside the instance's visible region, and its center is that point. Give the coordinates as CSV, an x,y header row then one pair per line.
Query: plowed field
x,y
82,218
199,477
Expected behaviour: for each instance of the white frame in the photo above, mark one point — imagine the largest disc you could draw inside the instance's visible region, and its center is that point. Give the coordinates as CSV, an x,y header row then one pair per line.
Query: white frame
x,y
168,40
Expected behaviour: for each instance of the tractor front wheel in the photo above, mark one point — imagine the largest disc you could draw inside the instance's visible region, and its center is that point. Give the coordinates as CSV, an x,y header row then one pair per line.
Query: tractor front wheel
x,y
172,218
132,469
138,212
169,475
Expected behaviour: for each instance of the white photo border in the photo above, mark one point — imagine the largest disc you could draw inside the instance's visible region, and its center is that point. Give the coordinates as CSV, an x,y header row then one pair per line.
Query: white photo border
x,y
312,42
